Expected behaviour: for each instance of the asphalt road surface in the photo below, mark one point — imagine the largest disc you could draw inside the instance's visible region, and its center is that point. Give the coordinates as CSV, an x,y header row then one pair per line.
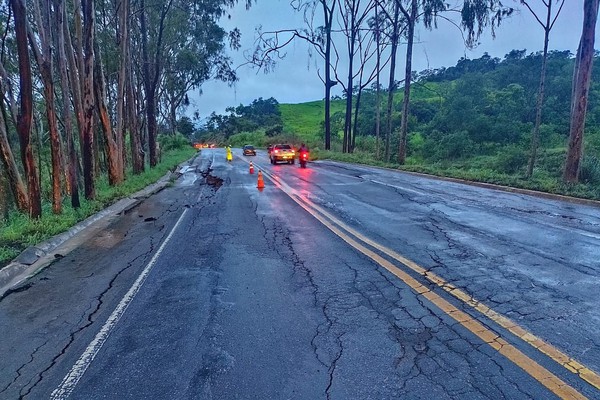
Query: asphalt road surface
x,y
333,282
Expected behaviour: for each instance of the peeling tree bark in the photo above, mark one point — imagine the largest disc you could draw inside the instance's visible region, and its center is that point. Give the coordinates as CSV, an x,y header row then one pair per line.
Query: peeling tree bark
x,y
581,87
392,82
45,64
88,100
113,152
137,153
25,117
411,19
72,163
123,37
10,165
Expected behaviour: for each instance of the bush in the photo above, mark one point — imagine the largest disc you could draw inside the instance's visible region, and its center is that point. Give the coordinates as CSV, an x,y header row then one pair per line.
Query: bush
x,y
416,144
449,146
173,142
365,144
256,138
590,170
274,130
511,159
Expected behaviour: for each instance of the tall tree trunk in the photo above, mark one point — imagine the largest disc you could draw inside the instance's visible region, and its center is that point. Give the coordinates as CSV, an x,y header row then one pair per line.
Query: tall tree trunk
x,y
137,152
10,165
411,20
3,195
25,116
173,115
44,60
378,92
113,152
392,82
581,86
124,52
328,15
88,100
349,98
151,76
72,168
356,109
75,67
150,90
535,136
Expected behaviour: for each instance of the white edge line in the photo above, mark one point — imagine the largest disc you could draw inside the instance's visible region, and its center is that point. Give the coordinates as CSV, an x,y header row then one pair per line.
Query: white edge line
x,y
72,378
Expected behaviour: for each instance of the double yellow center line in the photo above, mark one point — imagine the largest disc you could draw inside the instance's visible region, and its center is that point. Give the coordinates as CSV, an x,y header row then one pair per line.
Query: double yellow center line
x,y
492,338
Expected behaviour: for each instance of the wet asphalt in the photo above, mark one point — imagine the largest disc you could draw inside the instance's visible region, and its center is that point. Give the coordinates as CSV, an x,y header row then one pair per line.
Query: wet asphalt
x,y
252,294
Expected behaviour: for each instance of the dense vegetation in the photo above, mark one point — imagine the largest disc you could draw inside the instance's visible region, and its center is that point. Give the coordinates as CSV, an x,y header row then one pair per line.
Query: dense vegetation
x,y
473,120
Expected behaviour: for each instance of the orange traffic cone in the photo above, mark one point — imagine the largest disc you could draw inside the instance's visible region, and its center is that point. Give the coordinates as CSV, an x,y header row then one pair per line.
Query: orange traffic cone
x,y
261,182
251,167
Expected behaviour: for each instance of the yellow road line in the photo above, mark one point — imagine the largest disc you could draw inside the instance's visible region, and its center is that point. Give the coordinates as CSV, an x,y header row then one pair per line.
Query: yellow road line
x,y
541,374
555,354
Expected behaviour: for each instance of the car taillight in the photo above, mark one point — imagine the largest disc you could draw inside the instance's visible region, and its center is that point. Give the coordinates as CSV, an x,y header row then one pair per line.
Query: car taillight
x,y
276,151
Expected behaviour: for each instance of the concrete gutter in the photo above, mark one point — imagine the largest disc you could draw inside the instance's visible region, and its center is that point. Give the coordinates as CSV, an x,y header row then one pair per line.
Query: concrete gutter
x,y
36,258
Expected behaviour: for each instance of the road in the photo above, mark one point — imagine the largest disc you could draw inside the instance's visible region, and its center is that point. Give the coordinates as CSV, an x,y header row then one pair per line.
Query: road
x,y
336,281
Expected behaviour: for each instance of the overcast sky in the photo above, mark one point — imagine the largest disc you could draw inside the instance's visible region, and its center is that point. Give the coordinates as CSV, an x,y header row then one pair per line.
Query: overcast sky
x,y
295,78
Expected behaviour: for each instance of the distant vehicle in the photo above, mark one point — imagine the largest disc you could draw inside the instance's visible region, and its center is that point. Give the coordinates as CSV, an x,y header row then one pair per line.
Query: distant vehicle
x,y
282,152
249,150
303,158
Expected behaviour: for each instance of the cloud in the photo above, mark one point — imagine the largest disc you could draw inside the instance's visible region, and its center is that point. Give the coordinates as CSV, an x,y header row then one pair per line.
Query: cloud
x,y
295,78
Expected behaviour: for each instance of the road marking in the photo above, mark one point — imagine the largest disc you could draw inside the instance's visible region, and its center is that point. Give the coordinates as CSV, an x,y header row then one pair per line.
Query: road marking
x,y
545,377
72,378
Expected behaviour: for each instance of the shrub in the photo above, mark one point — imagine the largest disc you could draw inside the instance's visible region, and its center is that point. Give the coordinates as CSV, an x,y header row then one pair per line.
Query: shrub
x,y
274,130
449,146
511,159
590,170
173,142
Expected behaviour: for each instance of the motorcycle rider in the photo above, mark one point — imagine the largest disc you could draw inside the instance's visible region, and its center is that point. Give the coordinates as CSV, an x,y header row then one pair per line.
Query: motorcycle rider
x,y
303,155
303,149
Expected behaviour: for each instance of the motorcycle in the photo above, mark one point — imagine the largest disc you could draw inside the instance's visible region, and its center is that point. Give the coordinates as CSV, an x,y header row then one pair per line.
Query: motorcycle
x,y
303,158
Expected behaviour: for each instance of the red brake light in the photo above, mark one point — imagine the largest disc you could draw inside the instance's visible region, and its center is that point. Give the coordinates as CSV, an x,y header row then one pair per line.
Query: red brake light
x,y
276,151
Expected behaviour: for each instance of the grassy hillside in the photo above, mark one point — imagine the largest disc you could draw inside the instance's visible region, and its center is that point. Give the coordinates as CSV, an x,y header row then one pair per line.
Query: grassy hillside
x,y
305,119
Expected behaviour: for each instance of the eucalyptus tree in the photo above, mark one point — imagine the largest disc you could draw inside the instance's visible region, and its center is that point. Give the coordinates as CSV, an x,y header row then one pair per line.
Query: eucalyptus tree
x,y
353,15
25,116
395,29
372,47
15,180
42,46
89,106
153,15
123,10
581,86
196,52
185,31
269,46
547,24
67,120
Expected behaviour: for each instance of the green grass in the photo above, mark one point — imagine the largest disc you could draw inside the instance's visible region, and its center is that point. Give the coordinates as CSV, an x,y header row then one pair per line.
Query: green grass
x,y
305,119
503,166
20,231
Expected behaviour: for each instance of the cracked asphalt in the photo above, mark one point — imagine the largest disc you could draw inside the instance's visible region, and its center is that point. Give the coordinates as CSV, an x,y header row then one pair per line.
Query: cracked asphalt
x,y
253,298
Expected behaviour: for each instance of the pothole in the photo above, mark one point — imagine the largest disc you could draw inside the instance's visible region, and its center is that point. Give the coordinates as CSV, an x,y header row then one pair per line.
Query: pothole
x,y
214,181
